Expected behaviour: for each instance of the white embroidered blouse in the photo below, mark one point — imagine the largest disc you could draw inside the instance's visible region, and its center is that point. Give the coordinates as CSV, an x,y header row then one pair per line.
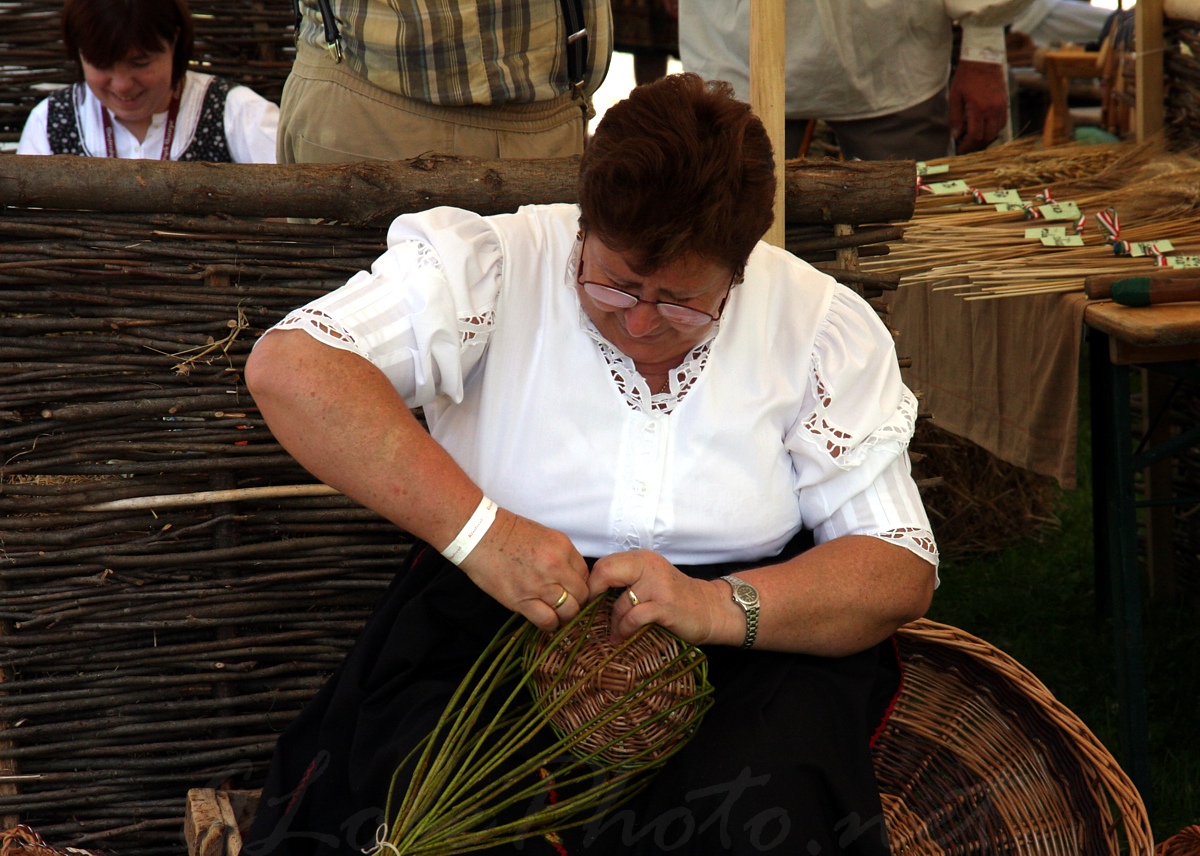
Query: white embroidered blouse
x,y
251,124
790,414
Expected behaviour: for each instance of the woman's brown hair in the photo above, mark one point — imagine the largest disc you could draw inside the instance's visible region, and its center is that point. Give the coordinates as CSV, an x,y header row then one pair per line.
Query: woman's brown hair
x,y
679,168
105,31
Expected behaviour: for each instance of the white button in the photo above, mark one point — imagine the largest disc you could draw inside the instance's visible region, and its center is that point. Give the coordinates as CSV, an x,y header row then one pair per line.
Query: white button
x,y
652,427
639,487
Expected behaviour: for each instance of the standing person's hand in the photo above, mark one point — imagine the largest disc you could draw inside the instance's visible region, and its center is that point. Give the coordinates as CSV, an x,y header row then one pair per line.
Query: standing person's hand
x,y
530,569
978,104
691,608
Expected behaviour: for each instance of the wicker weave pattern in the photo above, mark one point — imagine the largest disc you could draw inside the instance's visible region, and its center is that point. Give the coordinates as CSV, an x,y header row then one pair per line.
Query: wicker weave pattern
x,y
1186,842
979,757
600,679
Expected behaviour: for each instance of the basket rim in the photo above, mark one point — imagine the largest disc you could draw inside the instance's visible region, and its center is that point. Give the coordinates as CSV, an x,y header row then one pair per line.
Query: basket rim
x,y
1111,780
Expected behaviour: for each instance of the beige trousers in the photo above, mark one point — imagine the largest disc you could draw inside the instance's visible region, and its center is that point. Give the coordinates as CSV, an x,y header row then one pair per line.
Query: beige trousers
x,y
330,115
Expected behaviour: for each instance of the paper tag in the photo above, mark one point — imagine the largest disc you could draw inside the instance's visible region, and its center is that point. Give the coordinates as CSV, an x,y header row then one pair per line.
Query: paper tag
x,y
1063,241
932,169
1148,248
1002,196
1183,261
941,188
1059,211
1036,234
1009,206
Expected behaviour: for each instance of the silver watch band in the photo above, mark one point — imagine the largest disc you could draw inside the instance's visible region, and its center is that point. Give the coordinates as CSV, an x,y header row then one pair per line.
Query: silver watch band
x,y
749,604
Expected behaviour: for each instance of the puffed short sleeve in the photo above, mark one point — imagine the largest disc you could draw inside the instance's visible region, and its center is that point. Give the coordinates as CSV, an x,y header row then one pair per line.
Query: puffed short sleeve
x,y
849,445
423,313
35,136
251,126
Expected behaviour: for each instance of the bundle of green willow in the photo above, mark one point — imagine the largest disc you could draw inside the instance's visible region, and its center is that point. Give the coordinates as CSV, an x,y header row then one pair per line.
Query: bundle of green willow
x,y
545,733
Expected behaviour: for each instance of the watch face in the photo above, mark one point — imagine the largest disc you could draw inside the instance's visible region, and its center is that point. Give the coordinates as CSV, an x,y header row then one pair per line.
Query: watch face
x,y
746,593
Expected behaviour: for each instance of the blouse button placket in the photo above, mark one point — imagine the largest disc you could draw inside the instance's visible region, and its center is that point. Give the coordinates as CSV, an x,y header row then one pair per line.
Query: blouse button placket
x,y
641,473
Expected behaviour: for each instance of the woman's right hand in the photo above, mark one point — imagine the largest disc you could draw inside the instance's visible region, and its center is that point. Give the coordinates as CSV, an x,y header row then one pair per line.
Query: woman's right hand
x,y
526,567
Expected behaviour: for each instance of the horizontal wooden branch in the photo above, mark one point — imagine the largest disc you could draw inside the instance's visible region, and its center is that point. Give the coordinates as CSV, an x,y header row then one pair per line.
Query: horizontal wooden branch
x,y
374,193
211,496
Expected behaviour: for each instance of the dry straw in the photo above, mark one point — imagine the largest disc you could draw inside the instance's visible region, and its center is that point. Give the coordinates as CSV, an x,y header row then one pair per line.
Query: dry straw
x,y
982,253
487,774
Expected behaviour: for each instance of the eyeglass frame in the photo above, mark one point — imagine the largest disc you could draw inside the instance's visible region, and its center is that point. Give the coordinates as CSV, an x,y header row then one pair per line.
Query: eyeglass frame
x,y
588,286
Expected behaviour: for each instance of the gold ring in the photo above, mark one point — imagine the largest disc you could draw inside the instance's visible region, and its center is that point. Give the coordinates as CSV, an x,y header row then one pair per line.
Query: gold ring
x,y
633,598
562,598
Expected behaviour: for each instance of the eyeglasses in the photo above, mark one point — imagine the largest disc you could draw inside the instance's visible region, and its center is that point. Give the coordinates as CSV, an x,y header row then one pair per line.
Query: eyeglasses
x,y
676,313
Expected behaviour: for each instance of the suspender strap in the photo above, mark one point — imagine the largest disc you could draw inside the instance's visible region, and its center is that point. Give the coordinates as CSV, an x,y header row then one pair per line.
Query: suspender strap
x,y
577,42
333,39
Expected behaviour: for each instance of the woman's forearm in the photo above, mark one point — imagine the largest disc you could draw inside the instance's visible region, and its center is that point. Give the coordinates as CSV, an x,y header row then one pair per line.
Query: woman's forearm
x,y
341,419
837,598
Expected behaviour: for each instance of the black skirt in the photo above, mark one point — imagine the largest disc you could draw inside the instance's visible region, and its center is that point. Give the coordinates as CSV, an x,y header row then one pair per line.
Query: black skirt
x,y
781,762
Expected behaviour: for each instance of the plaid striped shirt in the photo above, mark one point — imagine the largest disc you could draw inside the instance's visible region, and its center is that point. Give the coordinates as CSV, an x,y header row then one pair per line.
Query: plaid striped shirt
x,y
458,53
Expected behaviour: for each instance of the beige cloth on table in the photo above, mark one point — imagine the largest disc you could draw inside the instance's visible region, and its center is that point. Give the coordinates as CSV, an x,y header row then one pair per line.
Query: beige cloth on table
x,y
1001,373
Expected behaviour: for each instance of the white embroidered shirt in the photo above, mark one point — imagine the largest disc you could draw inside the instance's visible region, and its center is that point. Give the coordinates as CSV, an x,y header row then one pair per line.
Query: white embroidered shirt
x,y
791,413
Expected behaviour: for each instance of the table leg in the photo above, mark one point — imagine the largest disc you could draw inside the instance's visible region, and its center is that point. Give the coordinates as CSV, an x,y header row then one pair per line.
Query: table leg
x,y
1112,464
1102,404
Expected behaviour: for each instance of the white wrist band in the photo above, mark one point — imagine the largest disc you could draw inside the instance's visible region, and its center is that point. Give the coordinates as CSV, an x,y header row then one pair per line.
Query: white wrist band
x,y
466,540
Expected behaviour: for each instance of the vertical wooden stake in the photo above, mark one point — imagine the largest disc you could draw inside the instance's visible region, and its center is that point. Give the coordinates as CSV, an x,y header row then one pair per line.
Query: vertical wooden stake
x,y
768,38
1148,44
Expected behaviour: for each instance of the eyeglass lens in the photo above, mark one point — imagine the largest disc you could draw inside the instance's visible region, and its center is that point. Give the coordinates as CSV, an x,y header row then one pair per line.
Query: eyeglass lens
x,y
614,298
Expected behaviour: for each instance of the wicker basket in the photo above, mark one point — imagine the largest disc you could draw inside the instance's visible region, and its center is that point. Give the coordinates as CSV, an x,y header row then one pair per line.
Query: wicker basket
x,y
1186,842
979,757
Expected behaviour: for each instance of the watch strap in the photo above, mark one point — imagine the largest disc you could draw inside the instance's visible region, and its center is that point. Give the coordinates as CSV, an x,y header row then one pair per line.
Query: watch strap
x,y
750,609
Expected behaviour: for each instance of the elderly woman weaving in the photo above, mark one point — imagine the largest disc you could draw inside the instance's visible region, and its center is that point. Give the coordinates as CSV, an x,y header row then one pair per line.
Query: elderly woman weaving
x,y
638,381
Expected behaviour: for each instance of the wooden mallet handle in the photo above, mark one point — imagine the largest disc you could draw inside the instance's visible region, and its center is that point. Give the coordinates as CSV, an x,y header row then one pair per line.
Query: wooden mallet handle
x,y
1144,291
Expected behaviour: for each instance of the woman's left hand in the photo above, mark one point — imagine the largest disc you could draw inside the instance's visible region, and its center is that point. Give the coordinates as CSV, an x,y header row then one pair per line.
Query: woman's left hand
x,y
690,608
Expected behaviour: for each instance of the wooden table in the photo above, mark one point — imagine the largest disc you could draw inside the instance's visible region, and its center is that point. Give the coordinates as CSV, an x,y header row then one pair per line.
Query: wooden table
x,y
1163,340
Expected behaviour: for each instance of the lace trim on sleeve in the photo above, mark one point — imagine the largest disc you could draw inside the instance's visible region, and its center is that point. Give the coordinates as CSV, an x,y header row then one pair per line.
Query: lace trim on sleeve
x,y
919,541
475,329
324,328
843,447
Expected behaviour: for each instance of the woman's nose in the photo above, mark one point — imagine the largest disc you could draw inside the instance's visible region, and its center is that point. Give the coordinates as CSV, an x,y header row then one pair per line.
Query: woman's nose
x,y
642,319
122,82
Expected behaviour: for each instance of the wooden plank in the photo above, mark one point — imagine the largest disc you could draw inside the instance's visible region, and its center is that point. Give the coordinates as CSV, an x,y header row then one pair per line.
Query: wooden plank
x,y
1130,354
1157,328
204,826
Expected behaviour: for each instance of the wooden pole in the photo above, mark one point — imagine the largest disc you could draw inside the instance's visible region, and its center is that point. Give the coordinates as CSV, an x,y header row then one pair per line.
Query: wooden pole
x,y
1148,42
374,193
768,41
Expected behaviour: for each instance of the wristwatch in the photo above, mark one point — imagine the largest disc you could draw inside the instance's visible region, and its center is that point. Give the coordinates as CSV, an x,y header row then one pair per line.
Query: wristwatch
x,y
745,596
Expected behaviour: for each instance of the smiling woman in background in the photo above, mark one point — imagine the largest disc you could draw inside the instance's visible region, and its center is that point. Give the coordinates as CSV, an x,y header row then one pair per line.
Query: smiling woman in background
x,y
135,97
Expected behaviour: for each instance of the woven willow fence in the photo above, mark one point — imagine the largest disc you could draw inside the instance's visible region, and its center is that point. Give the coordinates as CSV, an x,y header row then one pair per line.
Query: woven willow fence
x,y
173,586
248,41
164,643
